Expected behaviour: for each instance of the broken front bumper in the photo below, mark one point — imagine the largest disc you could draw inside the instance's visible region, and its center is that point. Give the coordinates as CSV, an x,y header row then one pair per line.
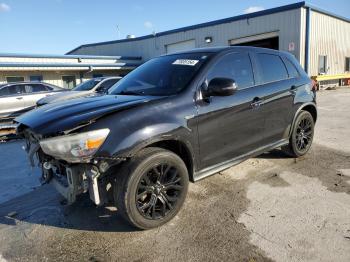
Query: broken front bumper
x,y
79,179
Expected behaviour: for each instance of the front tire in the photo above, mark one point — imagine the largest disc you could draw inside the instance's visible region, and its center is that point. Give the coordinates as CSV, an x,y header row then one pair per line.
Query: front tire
x,y
151,188
302,135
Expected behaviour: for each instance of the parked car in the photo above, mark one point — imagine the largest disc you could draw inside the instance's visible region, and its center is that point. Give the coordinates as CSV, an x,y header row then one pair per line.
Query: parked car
x,y
95,85
177,118
17,98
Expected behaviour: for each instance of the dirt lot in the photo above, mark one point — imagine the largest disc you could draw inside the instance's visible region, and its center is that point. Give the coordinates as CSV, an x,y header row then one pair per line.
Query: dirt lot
x,y
267,208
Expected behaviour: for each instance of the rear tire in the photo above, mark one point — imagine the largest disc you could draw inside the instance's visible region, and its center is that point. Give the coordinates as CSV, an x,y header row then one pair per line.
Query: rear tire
x,y
151,188
302,135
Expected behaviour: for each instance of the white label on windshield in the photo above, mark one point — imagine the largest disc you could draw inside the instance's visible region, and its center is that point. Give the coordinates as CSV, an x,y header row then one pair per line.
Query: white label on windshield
x,y
185,62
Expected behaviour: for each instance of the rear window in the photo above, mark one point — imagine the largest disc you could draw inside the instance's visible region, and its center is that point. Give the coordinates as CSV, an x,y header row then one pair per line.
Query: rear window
x,y
272,68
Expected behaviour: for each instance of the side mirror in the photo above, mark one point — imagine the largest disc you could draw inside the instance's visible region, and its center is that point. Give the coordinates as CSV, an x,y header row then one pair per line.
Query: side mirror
x,y
220,87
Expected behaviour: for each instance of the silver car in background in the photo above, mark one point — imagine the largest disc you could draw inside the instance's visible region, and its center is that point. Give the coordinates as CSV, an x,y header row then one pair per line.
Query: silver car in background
x,y
89,87
19,97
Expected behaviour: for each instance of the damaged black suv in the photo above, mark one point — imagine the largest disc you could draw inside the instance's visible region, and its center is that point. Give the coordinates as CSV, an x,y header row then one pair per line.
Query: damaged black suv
x,y
177,118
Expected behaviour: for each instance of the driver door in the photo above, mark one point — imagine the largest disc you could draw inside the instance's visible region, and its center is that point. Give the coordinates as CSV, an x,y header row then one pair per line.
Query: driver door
x,y
229,126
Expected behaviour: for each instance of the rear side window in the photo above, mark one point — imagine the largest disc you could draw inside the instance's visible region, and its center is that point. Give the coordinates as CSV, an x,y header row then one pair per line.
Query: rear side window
x,y
39,88
35,88
292,71
272,68
234,66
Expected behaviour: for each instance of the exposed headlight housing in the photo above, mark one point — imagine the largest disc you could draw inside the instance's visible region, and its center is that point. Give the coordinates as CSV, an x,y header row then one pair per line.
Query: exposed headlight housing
x,y
76,147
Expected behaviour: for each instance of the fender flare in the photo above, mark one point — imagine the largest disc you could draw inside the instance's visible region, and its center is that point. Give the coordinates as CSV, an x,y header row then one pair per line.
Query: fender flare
x,y
302,106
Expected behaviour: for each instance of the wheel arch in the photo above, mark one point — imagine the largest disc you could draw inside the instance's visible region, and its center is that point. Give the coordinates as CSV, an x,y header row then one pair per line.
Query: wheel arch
x,y
309,107
179,148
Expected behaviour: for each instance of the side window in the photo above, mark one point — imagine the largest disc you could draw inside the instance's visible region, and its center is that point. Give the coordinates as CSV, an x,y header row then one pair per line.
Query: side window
x,y
271,67
235,66
39,88
292,71
16,89
107,84
4,91
34,88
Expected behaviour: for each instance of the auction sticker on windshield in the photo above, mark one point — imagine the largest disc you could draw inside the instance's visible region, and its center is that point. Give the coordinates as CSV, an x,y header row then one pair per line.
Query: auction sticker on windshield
x,y
188,62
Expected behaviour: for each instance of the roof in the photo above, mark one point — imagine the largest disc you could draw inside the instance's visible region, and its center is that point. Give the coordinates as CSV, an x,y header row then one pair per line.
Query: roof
x,y
227,48
17,55
29,82
24,64
101,78
65,66
218,22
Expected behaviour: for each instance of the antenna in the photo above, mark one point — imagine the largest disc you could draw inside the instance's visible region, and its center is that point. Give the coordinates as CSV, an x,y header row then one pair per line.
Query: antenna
x,y
118,30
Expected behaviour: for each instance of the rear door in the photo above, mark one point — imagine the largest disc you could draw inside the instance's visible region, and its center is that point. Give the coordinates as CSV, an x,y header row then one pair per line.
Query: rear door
x,y
11,100
34,92
276,103
229,126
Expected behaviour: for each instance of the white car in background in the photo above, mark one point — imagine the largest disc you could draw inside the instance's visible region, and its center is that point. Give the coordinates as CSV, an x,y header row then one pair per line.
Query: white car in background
x,y
95,85
19,97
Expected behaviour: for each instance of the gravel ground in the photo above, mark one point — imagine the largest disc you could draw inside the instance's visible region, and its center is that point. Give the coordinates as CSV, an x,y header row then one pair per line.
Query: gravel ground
x,y
270,208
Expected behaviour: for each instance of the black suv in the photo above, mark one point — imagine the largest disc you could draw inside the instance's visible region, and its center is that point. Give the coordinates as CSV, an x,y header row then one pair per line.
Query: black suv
x,y
177,118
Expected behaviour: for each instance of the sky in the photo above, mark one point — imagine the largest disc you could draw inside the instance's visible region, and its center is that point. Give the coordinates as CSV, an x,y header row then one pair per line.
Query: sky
x,y
58,26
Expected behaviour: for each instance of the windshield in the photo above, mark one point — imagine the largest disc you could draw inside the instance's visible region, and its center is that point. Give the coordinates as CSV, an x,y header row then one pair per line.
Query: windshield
x,y
87,85
165,75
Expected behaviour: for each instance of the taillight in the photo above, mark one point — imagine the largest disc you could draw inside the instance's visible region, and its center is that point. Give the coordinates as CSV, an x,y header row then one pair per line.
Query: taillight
x,y
314,85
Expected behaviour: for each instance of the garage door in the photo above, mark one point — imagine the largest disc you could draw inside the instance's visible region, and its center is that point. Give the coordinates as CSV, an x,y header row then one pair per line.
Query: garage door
x,y
267,40
180,46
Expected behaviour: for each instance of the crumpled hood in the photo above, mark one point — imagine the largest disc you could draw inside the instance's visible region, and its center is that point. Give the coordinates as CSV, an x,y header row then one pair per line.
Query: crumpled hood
x,y
62,96
65,115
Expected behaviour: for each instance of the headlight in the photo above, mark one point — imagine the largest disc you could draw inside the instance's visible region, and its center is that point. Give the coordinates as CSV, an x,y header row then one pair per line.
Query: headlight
x,y
74,148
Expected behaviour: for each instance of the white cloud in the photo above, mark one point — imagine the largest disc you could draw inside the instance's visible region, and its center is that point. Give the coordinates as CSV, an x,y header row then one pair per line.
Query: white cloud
x,y
253,9
4,7
148,24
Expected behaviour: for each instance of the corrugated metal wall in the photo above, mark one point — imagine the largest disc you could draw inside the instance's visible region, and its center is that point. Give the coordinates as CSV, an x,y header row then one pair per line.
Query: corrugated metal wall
x,y
287,24
331,37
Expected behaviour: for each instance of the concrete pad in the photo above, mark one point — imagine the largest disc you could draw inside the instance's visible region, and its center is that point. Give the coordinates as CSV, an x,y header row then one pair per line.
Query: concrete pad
x,y
301,222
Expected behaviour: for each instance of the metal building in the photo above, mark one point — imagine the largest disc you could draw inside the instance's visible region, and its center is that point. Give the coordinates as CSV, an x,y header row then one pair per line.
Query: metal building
x,y
319,40
62,70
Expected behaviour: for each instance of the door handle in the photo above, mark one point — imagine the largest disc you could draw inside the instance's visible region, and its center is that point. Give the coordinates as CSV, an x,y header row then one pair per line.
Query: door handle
x,y
19,98
256,103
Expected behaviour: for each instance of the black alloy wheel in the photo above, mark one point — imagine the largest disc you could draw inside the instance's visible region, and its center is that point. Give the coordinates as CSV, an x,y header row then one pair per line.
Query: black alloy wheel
x,y
151,188
158,191
302,135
